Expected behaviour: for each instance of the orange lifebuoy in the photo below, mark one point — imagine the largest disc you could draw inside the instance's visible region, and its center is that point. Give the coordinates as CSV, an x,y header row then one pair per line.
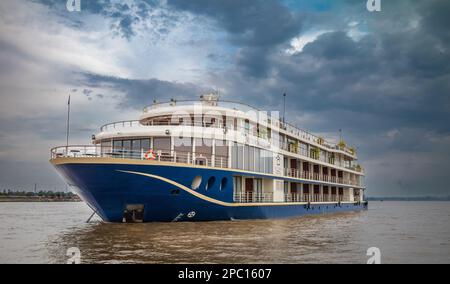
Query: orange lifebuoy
x,y
150,155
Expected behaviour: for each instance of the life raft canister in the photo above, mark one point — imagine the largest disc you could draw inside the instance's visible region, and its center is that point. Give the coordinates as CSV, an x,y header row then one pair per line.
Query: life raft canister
x,y
150,155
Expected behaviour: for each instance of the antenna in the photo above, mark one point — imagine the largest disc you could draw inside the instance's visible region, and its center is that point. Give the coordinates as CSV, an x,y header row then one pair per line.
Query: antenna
x,y
68,124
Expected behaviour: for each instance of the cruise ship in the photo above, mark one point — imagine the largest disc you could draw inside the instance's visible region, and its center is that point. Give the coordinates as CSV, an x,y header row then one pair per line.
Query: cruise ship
x,y
210,159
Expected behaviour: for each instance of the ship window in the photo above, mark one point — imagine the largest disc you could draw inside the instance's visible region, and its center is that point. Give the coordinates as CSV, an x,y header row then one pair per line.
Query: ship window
x,y
117,146
236,155
268,165
237,185
221,148
258,189
223,183
105,146
210,183
106,143
196,182
251,158
183,145
161,143
127,144
136,145
262,155
145,144
203,146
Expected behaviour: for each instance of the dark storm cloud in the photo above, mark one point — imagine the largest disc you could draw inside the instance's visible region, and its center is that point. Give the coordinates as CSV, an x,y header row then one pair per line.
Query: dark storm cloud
x,y
251,23
123,17
256,27
142,92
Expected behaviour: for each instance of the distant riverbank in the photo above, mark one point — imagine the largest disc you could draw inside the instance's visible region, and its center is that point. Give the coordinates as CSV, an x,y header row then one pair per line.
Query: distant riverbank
x,y
424,198
41,196
39,199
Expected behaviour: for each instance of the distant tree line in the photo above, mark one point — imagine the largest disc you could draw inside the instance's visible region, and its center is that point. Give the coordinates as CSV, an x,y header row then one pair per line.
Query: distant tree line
x,y
41,193
417,198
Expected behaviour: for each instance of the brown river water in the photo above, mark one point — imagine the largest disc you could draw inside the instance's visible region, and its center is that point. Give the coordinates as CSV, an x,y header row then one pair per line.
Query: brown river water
x,y
405,232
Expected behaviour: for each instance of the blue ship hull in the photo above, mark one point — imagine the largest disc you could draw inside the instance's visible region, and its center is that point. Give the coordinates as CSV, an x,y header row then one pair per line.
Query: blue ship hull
x,y
165,193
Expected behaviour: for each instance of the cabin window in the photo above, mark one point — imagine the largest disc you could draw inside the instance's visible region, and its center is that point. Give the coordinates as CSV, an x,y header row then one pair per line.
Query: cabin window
x,y
247,126
117,146
203,146
127,144
136,145
210,183
269,162
196,182
303,149
259,167
105,146
203,151
223,183
183,145
245,157
251,158
221,153
237,185
237,156
145,144
221,148
161,144
258,189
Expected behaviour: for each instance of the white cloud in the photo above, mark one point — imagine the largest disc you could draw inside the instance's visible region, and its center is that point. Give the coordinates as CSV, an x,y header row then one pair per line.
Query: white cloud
x,y
298,43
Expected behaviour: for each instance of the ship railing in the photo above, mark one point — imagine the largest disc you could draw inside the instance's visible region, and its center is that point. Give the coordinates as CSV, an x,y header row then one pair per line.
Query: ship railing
x,y
121,124
294,197
291,172
143,154
201,159
252,197
135,124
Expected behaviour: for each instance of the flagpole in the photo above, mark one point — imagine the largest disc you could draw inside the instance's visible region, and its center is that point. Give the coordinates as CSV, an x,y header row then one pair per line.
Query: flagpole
x,y
68,125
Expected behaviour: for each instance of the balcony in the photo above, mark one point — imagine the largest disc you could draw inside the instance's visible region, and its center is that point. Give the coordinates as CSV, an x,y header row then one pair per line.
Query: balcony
x,y
250,197
318,177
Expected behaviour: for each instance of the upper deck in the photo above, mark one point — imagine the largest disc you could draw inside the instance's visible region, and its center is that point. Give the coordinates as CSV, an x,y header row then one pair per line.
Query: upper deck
x,y
242,110
221,115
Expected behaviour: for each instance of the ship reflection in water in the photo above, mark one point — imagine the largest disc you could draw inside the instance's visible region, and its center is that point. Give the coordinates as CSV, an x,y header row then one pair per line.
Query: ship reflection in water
x,y
412,232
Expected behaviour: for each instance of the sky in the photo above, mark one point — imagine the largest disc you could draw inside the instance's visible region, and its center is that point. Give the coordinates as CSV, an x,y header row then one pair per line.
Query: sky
x,y
382,77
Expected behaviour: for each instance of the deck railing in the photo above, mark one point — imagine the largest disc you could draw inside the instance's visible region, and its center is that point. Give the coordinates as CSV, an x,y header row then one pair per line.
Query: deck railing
x,y
319,177
295,149
251,197
209,160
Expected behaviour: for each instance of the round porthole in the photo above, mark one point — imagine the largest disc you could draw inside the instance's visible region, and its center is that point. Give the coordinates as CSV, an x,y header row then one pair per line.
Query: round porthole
x,y
196,182
223,183
211,182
